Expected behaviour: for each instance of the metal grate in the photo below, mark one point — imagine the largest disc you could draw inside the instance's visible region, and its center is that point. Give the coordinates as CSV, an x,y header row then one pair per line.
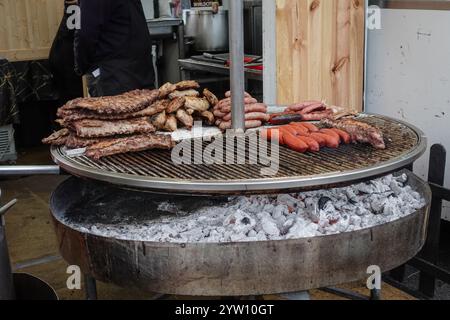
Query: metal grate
x,y
155,170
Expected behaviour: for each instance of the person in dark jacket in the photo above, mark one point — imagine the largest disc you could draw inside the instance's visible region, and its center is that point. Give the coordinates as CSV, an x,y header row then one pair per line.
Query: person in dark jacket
x,y
61,59
113,47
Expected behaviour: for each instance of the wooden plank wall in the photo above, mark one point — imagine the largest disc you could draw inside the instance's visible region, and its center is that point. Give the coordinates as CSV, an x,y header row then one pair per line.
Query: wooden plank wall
x,y
320,51
28,27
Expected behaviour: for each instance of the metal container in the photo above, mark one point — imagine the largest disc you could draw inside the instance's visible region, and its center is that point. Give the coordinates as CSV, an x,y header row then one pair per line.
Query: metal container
x,y
208,30
223,269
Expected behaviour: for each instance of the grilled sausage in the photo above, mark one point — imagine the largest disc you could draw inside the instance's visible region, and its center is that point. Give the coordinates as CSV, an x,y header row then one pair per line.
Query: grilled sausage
x,y
313,145
317,116
299,128
284,118
311,127
319,138
345,137
313,108
250,124
250,116
252,107
293,142
273,134
330,140
331,133
226,103
300,106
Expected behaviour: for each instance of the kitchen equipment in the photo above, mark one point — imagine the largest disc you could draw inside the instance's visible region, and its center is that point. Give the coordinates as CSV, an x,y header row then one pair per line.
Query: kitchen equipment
x,y
208,30
164,10
155,170
220,269
20,286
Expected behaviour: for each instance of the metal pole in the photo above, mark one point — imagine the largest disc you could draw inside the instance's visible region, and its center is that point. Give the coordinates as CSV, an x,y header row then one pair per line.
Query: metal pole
x,y
90,285
237,79
29,170
7,291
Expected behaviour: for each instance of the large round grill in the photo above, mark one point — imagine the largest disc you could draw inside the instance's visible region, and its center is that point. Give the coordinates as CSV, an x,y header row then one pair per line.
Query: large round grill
x,y
155,171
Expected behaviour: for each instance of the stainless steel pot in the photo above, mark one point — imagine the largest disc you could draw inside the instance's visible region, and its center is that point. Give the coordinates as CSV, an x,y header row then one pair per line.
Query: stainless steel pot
x,y
208,30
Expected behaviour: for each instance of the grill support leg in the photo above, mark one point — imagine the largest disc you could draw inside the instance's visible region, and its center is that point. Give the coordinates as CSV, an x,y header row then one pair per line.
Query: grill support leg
x,y
90,286
398,274
375,294
430,251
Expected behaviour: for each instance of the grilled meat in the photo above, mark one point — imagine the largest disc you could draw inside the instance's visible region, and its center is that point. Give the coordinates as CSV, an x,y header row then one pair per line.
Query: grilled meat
x,y
80,114
185,118
137,143
166,89
359,131
58,138
186,85
185,93
132,101
171,123
74,142
208,117
159,120
196,104
175,104
98,128
211,97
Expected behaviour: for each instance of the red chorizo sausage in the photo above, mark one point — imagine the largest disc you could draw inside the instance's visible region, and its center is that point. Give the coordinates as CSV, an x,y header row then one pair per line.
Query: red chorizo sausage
x,y
294,143
272,135
289,129
313,145
301,130
330,140
345,137
311,127
319,138
331,133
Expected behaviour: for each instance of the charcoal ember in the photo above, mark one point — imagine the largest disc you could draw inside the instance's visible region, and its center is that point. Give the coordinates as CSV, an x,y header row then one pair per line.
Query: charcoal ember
x,y
323,201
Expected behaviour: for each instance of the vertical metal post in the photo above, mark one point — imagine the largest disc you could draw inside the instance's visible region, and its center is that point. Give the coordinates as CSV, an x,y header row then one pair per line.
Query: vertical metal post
x,y
7,291
90,286
237,78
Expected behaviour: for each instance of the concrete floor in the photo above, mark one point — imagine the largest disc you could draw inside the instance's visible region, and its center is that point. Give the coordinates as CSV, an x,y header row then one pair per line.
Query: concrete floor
x,y
33,247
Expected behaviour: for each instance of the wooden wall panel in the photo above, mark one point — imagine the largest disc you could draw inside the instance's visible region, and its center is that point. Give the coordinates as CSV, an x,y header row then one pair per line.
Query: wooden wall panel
x,y
28,27
320,51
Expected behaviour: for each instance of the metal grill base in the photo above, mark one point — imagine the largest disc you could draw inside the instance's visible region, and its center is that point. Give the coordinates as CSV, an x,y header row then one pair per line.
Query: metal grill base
x,y
228,269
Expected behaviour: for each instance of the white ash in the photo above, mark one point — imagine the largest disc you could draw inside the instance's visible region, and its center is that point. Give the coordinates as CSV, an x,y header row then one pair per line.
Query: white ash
x,y
285,216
